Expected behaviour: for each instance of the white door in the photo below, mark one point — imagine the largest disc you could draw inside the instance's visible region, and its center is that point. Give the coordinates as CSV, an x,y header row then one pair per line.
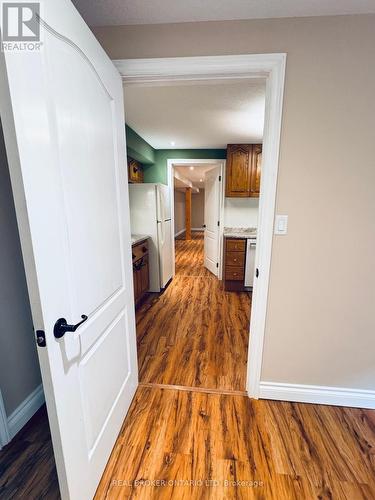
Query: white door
x,y
211,219
63,120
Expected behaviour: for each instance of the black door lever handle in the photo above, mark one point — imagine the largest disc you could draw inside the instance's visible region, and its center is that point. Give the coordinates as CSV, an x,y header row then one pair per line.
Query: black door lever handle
x,y
61,326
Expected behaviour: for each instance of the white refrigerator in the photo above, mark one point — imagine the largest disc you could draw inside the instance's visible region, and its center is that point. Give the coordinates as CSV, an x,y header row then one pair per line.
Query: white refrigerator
x,y
150,214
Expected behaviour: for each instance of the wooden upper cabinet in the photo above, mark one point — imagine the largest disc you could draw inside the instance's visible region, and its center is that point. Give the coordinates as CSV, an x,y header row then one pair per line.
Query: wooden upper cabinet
x,y
256,164
243,170
238,170
135,171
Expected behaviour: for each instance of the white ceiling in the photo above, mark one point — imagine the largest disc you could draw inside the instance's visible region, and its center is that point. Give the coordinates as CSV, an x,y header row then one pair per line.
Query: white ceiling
x,y
197,116
118,12
195,174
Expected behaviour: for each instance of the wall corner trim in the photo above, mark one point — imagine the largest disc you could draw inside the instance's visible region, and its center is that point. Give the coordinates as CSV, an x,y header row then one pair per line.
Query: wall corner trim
x,y
22,414
336,396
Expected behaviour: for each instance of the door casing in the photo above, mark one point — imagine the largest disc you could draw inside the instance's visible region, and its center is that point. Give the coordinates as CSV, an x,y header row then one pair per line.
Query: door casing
x,y
270,67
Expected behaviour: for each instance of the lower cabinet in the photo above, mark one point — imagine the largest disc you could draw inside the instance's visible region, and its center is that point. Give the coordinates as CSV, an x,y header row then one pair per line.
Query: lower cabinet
x,y
141,279
234,264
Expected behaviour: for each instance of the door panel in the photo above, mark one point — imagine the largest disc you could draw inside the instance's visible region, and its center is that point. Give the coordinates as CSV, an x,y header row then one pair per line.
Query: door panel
x,y
63,121
95,275
111,347
211,216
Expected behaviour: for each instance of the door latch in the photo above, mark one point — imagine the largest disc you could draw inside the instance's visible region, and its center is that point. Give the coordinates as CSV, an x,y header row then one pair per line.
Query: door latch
x,y
257,273
40,338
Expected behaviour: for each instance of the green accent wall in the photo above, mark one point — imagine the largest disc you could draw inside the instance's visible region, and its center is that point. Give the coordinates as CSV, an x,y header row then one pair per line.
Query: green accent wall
x,y
154,161
158,171
138,148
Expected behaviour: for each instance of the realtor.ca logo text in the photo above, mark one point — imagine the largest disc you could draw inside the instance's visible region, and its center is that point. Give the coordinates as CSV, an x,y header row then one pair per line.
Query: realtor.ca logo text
x,y
20,26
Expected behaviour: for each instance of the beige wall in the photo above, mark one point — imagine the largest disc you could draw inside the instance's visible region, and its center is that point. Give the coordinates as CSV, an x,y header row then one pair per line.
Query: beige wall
x,y
179,211
197,209
320,322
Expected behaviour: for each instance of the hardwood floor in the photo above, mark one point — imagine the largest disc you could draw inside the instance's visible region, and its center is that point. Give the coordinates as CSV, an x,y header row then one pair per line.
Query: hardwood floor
x,y
27,464
245,449
197,442
195,334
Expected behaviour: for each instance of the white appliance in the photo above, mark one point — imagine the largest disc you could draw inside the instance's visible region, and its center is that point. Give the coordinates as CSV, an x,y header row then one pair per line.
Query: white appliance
x,y
250,261
150,214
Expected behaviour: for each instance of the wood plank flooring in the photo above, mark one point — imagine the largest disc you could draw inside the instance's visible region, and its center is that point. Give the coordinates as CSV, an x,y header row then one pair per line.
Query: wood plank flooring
x,y
195,443
194,334
211,446
27,465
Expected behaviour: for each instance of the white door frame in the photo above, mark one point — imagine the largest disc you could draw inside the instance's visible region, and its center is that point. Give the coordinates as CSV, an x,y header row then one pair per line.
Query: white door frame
x,y
272,68
187,162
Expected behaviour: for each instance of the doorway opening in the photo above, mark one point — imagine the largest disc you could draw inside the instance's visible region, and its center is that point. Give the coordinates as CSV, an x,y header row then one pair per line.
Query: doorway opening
x,y
195,332
196,198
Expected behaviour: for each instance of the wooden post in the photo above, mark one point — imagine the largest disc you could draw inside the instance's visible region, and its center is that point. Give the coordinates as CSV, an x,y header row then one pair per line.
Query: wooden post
x,y
188,213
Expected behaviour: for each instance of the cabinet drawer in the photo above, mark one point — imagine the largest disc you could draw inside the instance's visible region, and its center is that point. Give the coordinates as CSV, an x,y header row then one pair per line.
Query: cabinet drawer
x,y
139,250
233,273
236,259
235,245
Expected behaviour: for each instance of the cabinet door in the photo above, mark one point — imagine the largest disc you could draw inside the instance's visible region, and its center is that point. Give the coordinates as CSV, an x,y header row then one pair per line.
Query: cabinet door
x,y
135,171
256,165
238,177
135,284
140,173
145,282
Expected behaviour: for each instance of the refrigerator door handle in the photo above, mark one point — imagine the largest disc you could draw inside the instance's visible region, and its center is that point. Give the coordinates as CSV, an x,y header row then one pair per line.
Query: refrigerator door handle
x,y
162,232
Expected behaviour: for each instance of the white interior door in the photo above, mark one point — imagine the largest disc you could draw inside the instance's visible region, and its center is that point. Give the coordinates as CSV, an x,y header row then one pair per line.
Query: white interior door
x,y
63,120
211,219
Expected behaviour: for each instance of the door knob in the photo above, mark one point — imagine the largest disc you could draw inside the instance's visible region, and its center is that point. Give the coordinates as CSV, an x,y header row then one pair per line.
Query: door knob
x,y
61,326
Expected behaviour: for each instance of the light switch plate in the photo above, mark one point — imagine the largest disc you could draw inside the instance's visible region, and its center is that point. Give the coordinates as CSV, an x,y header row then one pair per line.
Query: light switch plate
x,y
281,224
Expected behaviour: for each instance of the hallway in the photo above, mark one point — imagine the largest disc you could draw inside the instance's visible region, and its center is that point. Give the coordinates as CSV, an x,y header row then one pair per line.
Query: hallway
x,y
195,334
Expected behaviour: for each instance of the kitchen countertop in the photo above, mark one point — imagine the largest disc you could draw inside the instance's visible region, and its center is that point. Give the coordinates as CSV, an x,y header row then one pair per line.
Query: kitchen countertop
x,y
240,232
137,238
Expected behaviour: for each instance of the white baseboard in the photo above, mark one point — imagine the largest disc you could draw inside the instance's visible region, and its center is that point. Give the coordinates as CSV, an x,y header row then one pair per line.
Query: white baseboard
x,y
179,232
4,431
337,396
197,228
22,414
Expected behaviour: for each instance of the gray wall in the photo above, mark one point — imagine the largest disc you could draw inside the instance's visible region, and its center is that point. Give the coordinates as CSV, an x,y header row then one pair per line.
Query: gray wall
x,y
179,211
19,367
197,209
320,318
